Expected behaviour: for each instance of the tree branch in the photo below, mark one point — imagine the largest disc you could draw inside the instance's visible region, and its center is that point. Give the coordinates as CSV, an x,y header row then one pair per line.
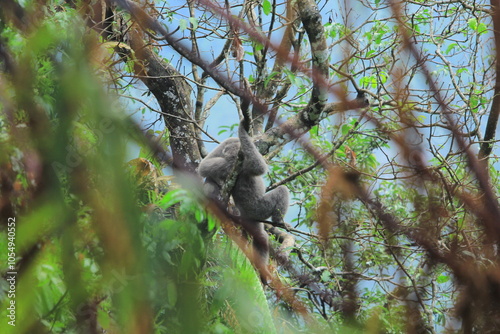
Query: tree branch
x,y
491,126
311,19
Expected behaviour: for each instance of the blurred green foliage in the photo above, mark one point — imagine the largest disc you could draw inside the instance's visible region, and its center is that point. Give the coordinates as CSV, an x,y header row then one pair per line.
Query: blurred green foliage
x,y
107,244
97,250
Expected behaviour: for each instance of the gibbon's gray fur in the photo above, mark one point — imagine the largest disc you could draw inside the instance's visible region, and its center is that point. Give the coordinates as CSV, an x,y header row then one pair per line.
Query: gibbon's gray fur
x,y
248,192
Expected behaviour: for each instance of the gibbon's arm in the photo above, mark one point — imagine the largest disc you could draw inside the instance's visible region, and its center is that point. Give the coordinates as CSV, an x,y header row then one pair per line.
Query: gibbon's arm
x,y
253,162
216,168
220,161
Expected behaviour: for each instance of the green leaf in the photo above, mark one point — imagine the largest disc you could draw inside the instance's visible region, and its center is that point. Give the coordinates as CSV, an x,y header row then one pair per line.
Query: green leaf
x,y
172,197
211,223
199,215
171,293
266,7
472,23
269,77
346,128
330,30
383,79
257,46
183,24
442,279
194,22
450,48
481,29
473,101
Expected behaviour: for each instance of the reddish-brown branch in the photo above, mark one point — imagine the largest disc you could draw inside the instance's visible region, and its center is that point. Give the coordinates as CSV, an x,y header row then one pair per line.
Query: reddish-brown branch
x,y
491,212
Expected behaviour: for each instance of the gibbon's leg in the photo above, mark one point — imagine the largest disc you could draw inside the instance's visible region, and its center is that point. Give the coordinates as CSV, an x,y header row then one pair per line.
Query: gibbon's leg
x,y
260,249
281,198
273,204
261,253
260,240
211,189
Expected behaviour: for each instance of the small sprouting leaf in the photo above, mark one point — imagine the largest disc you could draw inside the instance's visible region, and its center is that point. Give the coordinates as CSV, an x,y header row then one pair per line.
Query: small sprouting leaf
x,y
194,22
473,101
443,279
257,46
383,79
345,129
211,223
450,48
481,28
472,23
269,77
266,7
330,30
183,24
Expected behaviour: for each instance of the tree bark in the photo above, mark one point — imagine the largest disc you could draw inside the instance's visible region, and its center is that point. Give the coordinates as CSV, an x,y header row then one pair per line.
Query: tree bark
x,y
170,88
173,94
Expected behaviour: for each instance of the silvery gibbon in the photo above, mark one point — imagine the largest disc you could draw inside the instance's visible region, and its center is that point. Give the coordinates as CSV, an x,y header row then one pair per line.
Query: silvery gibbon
x,y
254,204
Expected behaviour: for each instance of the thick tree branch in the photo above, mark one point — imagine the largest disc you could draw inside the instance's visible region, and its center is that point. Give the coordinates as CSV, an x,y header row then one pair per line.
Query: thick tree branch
x,y
173,95
295,126
311,19
491,126
147,22
164,81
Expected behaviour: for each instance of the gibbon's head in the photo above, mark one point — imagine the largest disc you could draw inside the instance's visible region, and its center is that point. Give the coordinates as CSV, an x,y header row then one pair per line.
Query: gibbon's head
x,y
231,147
